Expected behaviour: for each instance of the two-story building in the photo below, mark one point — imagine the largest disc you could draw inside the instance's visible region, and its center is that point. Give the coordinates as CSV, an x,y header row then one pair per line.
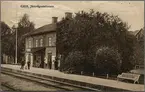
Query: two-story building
x,y
140,33
40,45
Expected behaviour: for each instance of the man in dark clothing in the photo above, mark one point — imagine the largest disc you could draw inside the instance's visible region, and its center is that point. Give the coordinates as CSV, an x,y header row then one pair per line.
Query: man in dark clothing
x,y
50,64
22,64
28,63
56,64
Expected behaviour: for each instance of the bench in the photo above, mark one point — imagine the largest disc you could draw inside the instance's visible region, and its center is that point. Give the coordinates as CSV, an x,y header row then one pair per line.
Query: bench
x,y
129,76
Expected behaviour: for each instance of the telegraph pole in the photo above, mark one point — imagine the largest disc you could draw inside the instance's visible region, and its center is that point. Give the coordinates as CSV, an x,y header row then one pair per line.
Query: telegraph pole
x,y
16,57
16,46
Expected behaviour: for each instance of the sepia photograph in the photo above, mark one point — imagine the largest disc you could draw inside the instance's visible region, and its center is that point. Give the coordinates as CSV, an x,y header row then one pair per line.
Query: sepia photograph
x,y
72,46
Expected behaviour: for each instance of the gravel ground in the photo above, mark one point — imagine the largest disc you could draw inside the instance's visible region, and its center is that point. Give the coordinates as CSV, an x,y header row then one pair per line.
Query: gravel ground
x,y
4,88
23,84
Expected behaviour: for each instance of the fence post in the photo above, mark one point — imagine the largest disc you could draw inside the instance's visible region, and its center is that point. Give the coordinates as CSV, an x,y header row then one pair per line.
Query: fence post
x,y
93,74
107,76
81,72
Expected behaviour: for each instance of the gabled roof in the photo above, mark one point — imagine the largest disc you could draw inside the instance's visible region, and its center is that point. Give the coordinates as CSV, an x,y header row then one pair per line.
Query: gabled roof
x,y
141,31
135,32
44,29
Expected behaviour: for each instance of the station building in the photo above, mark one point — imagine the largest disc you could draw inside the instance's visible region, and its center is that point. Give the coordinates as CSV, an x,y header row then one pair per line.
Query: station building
x,y
40,45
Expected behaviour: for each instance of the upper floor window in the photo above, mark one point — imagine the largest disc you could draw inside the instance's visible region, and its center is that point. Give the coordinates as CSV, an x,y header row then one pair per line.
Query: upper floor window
x,y
49,41
29,44
36,43
41,42
54,43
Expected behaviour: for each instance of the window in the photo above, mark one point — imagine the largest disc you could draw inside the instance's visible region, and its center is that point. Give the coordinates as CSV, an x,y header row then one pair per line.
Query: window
x,y
54,43
29,44
49,41
36,43
41,42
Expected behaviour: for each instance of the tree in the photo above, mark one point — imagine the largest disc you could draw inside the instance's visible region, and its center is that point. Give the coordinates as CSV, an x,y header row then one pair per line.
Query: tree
x,y
139,49
107,61
7,40
5,29
88,31
9,36
24,26
74,62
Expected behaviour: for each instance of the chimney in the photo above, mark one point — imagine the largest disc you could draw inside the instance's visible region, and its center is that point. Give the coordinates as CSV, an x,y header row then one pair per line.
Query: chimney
x,y
54,19
68,15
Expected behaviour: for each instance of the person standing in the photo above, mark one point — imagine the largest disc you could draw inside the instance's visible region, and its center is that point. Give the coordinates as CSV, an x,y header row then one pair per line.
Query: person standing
x,y
45,63
22,64
50,64
56,64
28,63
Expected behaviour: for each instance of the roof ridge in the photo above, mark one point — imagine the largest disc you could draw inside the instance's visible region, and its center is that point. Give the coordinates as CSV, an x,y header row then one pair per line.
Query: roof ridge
x,y
43,29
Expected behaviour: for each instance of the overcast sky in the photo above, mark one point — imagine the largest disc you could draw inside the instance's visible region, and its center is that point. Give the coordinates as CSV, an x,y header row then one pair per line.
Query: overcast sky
x,y
131,12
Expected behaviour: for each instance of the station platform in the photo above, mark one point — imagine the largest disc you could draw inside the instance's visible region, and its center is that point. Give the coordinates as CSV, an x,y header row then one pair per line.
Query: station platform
x,y
105,83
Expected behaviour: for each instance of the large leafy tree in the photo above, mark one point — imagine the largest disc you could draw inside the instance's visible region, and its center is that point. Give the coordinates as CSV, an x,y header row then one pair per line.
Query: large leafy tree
x,y
9,36
107,61
88,31
24,26
139,49
5,29
7,40
74,61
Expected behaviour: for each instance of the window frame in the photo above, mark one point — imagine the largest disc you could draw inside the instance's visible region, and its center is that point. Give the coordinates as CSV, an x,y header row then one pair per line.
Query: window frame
x,y
41,42
36,43
29,44
49,41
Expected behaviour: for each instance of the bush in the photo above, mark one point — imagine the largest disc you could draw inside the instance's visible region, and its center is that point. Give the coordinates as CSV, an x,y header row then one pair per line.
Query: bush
x,y
107,61
74,62
77,61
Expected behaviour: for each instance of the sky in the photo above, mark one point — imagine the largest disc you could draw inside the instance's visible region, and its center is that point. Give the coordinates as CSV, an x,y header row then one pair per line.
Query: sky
x,y
131,12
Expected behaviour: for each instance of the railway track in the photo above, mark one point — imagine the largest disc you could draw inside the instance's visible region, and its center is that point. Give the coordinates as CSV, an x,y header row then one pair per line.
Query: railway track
x,y
7,87
46,81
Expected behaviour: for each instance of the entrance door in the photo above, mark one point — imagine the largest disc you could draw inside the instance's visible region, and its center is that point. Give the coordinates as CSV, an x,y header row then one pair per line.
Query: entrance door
x,y
29,57
49,62
42,61
38,61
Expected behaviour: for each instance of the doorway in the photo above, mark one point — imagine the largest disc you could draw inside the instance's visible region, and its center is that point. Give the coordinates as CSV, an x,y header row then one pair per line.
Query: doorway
x,y
49,60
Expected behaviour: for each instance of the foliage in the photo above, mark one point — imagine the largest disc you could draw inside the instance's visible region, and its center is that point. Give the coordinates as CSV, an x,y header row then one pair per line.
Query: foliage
x,y
126,48
139,50
88,31
107,61
7,40
9,36
24,26
74,62
5,29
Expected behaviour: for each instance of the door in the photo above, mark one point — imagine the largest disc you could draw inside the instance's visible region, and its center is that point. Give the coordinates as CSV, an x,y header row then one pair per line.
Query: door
x,y
37,61
29,57
49,60
42,61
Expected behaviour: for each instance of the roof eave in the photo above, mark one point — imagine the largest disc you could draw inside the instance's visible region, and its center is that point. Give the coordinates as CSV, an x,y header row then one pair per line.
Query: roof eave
x,y
40,33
